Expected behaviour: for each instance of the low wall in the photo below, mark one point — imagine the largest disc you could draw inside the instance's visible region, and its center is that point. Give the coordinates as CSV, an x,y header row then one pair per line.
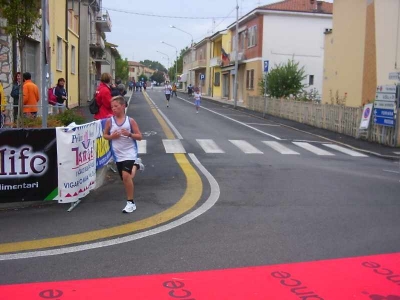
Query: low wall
x,y
341,119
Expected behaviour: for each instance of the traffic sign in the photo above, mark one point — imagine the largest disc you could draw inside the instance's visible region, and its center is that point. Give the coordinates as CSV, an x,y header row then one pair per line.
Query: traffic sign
x,y
384,104
202,76
366,116
384,113
387,89
384,121
266,65
386,97
394,76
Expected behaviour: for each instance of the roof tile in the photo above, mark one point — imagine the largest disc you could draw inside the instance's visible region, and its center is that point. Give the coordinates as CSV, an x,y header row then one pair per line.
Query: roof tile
x,y
300,6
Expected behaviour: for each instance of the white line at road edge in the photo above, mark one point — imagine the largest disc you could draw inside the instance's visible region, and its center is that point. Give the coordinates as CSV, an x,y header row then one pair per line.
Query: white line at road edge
x,y
212,199
177,134
244,124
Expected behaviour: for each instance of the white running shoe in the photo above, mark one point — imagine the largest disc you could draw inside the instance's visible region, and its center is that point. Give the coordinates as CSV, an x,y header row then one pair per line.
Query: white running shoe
x,y
129,208
138,161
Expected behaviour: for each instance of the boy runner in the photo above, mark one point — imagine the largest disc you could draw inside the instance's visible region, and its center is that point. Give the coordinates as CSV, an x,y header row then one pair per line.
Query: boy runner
x,y
167,91
123,132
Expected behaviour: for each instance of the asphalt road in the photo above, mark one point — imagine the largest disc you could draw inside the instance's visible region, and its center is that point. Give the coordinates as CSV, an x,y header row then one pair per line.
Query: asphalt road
x,y
272,208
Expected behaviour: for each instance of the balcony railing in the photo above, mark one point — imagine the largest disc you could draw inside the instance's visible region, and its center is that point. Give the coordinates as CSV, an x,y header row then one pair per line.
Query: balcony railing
x,y
232,56
104,21
96,41
215,62
199,64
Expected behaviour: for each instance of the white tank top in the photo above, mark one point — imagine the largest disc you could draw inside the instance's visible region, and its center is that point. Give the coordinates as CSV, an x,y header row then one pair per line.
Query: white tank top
x,y
123,148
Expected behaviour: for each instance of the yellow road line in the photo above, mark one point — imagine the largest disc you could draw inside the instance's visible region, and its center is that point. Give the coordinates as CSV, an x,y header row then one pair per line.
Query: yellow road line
x,y
193,192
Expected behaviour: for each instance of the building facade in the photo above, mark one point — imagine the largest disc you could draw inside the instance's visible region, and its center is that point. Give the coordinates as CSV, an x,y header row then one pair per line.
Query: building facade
x,y
361,50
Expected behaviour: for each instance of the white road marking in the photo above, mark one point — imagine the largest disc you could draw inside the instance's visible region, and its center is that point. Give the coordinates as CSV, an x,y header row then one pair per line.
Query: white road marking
x,y
142,146
398,153
313,149
390,171
280,148
345,150
176,132
236,121
263,124
246,147
210,202
209,146
173,146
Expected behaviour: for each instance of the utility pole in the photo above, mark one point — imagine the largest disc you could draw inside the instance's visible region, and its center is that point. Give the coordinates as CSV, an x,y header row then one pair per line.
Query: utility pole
x,y
235,85
45,63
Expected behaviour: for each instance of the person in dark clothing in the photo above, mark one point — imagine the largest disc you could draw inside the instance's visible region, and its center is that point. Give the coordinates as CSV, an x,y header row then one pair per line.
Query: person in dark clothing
x,y
61,95
15,94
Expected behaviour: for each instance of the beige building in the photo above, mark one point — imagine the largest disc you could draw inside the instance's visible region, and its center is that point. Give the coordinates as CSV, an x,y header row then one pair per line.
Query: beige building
x,y
361,50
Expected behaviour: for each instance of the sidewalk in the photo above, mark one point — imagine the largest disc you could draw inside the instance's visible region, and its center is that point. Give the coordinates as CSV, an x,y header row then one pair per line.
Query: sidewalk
x,y
348,141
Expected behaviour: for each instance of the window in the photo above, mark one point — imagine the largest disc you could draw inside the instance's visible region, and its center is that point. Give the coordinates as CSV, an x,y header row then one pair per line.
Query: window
x,y
242,40
252,36
311,80
217,79
59,53
250,79
73,59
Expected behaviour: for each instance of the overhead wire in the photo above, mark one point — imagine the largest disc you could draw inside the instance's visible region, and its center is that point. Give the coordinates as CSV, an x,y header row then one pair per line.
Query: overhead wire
x,y
161,16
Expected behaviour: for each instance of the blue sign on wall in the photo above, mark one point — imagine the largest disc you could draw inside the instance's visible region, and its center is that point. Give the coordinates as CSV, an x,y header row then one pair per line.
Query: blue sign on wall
x,y
202,76
266,65
385,113
384,121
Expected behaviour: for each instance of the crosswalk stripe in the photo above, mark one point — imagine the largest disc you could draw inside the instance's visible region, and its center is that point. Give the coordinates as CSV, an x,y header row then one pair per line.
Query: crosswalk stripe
x,y
280,148
246,147
209,146
173,146
345,150
313,149
142,146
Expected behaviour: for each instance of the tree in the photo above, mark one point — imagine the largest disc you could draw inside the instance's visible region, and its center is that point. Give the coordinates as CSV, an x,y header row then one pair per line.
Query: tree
x,y
121,68
284,80
158,77
21,16
172,70
155,65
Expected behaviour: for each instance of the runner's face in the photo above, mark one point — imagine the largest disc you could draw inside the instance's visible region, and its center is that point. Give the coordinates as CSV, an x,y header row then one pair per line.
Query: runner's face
x,y
117,108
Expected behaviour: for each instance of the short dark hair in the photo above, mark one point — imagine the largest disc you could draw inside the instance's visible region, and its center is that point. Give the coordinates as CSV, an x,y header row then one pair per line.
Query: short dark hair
x,y
27,76
60,79
119,99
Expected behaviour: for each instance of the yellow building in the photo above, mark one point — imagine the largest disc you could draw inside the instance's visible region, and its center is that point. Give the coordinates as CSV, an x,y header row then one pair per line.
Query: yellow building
x,y
361,50
220,42
64,44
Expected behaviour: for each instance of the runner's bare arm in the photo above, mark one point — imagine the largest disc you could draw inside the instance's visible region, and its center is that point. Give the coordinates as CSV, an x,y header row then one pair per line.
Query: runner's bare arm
x,y
136,135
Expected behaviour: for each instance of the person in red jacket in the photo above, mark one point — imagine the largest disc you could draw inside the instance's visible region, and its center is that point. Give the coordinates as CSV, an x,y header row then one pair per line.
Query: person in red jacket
x,y
103,97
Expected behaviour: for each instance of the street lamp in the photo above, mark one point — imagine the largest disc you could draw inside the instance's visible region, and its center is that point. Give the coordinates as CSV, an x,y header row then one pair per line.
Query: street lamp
x,y
176,65
165,55
191,45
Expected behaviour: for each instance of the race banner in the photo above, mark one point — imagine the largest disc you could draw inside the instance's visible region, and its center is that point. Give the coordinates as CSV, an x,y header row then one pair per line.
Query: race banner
x,y
28,165
103,150
76,149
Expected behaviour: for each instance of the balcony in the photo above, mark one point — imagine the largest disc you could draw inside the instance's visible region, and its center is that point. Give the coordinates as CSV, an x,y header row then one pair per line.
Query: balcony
x,y
215,62
103,21
199,64
96,41
241,56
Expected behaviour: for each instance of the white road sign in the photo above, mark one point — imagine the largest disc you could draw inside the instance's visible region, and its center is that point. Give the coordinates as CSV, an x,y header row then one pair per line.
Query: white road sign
x,y
386,97
394,76
384,104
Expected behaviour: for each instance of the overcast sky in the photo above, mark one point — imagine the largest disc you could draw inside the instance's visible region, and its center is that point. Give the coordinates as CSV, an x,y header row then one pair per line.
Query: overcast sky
x,y
138,37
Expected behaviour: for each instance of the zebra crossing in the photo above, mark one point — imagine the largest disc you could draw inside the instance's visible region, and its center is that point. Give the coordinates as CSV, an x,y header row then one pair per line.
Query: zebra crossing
x,y
209,146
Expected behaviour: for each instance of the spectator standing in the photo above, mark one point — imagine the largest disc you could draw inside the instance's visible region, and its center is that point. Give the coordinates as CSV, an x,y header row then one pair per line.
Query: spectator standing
x,y
15,94
103,97
61,94
174,88
31,96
